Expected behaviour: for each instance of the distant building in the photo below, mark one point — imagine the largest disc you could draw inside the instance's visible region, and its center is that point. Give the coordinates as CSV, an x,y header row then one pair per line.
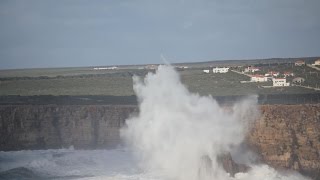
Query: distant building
x,y
105,68
316,63
298,80
299,63
277,82
251,69
220,70
206,71
151,66
182,67
273,73
258,78
287,74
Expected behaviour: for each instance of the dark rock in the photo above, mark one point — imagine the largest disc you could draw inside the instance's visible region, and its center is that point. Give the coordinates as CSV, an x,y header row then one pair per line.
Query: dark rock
x,y
58,126
20,173
230,166
288,136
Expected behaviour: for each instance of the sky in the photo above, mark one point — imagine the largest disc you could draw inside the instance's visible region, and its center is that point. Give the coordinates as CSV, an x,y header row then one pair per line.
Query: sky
x,y
68,33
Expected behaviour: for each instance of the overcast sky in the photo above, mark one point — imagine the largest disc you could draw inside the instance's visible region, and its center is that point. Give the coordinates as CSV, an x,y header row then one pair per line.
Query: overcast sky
x,y
50,33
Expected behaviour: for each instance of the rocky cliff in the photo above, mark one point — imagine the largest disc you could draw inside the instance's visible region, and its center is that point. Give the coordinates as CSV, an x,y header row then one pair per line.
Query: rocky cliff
x,y
285,136
57,126
288,136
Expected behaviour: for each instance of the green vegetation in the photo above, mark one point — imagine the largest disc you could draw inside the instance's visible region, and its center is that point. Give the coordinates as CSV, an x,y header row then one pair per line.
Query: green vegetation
x,y
69,86
49,72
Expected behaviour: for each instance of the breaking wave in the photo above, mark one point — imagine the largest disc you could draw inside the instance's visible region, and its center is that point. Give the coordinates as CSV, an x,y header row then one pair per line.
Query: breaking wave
x,y
183,134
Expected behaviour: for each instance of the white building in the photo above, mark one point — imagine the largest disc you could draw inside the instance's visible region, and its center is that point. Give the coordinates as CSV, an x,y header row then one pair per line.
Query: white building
x,y
181,67
272,73
151,66
288,74
105,68
316,63
206,71
220,70
280,82
298,80
258,78
251,69
299,63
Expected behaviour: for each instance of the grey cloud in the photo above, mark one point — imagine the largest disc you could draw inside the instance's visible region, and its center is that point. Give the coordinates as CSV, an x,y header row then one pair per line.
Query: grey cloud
x,y
67,33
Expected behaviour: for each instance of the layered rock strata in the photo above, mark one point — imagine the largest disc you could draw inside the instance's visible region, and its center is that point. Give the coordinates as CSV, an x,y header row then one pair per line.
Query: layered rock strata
x,y
57,126
288,136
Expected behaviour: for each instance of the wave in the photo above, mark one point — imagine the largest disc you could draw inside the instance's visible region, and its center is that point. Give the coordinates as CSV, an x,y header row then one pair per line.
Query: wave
x,y
66,164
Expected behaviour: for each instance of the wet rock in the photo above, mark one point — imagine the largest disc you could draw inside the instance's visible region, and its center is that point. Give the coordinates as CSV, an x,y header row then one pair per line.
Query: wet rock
x,y
230,166
288,136
61,126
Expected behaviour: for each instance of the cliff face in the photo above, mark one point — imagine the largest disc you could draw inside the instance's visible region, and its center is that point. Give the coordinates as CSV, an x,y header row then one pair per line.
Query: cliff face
x,y
57,126
286,136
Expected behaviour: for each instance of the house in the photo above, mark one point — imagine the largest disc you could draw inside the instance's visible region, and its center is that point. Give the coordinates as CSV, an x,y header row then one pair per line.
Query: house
x,y
298,80
181,67
299,63
272,73
151,66
206,71
258,78
287,74
105,68
251,69
220,70
277,82
316,63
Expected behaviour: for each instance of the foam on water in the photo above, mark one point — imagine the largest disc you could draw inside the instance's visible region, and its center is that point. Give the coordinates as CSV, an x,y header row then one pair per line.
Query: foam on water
x,y
72,163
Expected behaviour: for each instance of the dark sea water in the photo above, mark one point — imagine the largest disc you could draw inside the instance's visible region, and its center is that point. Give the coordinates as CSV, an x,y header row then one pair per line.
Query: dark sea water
x,y
69,164
116,164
